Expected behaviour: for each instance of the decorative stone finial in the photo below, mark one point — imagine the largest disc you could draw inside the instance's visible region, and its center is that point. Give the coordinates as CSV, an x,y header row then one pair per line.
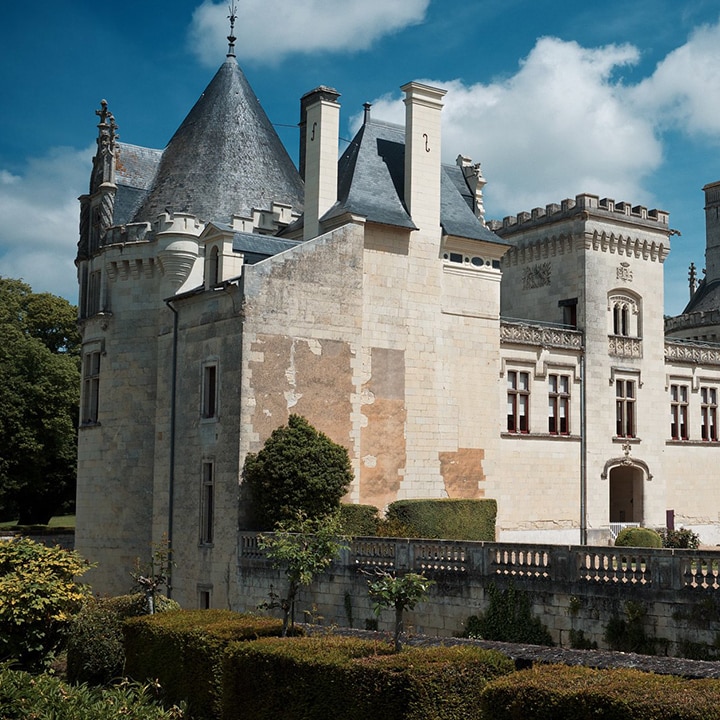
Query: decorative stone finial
x,y
692,277
231,37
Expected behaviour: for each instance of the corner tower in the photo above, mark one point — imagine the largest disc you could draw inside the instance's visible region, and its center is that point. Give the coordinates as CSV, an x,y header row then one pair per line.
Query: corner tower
x,y
139,248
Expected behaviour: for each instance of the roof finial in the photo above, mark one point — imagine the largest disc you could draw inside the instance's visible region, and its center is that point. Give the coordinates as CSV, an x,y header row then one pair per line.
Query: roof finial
x,y
231,37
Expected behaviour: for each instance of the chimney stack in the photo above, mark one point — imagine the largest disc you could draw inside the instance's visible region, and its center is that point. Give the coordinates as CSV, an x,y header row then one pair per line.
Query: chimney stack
x,y
422,153
319,130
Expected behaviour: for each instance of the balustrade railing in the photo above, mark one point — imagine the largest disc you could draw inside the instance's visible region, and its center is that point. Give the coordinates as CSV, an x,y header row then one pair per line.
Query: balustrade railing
x,y
611,566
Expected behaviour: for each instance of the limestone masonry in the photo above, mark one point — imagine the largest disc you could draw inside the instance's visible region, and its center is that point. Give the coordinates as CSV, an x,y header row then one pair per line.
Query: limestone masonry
x,y
527,360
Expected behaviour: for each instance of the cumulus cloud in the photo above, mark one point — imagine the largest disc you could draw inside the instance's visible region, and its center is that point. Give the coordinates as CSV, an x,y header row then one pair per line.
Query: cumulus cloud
x,y
561,125
269,30
40,220
684,90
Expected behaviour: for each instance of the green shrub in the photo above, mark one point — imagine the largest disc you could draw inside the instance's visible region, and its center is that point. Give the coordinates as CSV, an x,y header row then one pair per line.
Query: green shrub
x,y
508,618
299,469
682,538
95,652
638,537
358,519
26,697
557,692
448,519
183,651
337,677
38,596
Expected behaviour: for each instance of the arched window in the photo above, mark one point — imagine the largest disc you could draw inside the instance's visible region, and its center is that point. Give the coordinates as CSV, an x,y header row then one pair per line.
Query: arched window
x,y
625,317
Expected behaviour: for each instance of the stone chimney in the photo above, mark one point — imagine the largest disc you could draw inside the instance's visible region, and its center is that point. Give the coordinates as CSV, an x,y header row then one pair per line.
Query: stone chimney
x,y
712,231
319,130
422,153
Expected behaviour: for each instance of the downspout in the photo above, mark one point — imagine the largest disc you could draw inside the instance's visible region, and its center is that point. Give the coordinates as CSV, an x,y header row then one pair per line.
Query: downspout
x,y
171,472
583,451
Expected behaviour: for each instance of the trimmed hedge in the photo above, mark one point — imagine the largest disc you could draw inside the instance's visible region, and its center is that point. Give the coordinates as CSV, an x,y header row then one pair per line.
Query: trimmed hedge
x,y
447,519
638,537
359,519
557,692
334,677
95,653
183,651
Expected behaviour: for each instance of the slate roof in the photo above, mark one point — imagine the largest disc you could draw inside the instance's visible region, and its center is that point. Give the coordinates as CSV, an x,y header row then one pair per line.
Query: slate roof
x,y
371,183
706,297
225,158
135,169
258,247
371,176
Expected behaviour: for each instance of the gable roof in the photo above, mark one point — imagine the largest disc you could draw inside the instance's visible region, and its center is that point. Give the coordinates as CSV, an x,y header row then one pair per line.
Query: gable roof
x,y
224,159
371,183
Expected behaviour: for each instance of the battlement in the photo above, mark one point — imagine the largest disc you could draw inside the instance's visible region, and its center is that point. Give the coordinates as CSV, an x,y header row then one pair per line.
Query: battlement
x,y
582,203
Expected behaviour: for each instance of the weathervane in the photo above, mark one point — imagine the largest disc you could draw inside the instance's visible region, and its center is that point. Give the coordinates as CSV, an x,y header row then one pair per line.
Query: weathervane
x,y
231,37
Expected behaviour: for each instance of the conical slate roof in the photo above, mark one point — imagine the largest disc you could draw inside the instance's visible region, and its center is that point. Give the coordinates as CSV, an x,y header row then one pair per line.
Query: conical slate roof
x,y
225,158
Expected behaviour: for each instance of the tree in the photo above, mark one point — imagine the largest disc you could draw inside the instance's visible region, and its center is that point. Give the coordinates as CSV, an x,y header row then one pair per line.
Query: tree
x,y
299,469
402,592
302,547
38,595
40,378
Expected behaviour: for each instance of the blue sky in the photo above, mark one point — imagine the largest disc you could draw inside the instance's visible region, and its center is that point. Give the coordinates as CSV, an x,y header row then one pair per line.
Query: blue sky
x,y
554,98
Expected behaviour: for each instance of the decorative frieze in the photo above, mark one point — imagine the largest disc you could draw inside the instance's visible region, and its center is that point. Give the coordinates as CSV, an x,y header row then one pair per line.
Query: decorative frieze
x,y
540,335
627,347
692,353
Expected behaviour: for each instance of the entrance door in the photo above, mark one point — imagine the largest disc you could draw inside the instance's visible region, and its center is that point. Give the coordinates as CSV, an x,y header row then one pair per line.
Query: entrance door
x,y
626,494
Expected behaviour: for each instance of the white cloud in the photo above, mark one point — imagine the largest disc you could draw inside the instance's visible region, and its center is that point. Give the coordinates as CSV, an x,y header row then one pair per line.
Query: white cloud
x,y
269,30
684,90
561,125
40,211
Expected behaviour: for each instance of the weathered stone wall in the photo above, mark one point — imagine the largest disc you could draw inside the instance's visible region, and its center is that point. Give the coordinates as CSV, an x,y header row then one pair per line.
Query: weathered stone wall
x,y
570,588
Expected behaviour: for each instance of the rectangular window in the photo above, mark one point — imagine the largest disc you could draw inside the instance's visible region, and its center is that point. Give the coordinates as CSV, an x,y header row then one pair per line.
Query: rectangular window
x,y
708,409
209,391
679,412
518,401
204,597
625,408
559,404
92,297
91,387
207,504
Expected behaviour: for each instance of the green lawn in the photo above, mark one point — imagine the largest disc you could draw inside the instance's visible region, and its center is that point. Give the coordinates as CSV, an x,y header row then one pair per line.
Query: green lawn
x,y
63,521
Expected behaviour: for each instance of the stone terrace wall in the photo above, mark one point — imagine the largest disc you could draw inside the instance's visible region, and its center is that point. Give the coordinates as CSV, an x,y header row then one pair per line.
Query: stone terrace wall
x,y
570,587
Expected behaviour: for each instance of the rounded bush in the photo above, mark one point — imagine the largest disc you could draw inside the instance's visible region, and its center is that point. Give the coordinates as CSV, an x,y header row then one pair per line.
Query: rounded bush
x,y
359,519
638,537
95,653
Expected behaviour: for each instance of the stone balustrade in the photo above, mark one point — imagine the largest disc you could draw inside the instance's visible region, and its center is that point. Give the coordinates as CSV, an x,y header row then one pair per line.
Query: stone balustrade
x,y
571,588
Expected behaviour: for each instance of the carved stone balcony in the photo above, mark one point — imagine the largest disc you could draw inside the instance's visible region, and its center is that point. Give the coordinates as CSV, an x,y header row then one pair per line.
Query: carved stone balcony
x,y
626,347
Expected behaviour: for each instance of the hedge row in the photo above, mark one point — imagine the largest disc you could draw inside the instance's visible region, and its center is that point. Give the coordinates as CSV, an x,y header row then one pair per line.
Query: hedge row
x,y
558,692
332,677
448,519
183,650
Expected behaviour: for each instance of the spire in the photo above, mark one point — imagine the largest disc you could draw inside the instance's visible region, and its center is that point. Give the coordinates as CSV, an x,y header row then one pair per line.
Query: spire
x,y
231,37
225,158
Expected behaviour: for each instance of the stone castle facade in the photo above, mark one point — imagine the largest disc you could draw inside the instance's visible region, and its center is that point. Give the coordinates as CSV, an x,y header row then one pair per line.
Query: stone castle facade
x,y
221,289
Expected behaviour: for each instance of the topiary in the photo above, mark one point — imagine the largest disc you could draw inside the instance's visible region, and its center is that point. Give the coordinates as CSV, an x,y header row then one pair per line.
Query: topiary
x,y
299,470
638,537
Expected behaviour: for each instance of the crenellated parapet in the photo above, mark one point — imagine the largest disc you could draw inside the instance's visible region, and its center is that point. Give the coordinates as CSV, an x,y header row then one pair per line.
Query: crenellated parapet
x,y
584,203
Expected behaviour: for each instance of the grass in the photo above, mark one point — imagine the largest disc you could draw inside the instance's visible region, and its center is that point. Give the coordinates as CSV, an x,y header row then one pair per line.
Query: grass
x,y
61,521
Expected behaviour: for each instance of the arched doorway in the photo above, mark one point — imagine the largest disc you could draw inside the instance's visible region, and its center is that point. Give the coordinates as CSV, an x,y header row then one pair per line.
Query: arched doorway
x,y
626,494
